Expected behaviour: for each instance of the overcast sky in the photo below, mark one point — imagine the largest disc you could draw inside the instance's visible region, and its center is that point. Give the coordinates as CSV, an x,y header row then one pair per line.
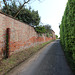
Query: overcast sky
x,y
51,12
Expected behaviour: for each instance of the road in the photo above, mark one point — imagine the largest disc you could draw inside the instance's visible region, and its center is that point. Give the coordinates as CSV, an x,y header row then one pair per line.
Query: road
x,y
48,61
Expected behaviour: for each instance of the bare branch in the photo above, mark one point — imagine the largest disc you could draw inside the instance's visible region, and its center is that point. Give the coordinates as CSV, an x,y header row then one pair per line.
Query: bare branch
x,y
22,5
6,6
0,3
21,8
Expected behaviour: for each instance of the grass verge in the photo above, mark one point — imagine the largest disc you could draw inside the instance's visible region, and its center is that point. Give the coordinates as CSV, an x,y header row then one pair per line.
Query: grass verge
x,y
7,64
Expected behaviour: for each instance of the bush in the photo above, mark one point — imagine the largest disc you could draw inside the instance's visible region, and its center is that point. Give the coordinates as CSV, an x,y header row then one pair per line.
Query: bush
x,y
40,29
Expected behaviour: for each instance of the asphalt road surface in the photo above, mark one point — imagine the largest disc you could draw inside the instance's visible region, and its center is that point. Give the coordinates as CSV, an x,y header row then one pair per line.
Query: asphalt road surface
x,y
48,61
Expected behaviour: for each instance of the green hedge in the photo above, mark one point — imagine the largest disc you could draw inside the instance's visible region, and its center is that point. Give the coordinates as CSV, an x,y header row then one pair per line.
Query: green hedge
x,y
67,31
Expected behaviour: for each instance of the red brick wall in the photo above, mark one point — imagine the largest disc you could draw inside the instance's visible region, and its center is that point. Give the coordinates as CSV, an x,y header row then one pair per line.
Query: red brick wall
x,y
53,35
21,34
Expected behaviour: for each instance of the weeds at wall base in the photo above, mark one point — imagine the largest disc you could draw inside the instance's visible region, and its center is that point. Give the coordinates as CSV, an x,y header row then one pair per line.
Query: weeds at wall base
x,y
15,59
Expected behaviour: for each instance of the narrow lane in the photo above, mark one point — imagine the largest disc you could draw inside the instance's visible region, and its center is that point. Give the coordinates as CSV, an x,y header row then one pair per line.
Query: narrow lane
x,y
49,61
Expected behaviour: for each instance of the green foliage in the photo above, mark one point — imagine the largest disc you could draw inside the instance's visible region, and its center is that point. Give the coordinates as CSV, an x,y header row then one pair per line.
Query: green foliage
x,y
12,9
56,36
48,28
44,29
40,29
26,15
67,30
47,34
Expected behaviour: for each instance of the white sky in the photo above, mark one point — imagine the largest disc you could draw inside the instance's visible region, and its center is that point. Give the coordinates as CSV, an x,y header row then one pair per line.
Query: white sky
x,y
51,12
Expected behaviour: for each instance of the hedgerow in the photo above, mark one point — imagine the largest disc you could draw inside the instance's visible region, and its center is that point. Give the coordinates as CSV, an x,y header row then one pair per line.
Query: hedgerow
x,y
67,32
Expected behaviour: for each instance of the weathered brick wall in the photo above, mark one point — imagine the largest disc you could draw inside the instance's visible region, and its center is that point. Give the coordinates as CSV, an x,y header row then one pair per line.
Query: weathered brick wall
x,y
21,34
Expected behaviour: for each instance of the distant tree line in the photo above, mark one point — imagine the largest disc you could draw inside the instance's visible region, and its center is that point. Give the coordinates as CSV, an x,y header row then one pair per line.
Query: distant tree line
x,y
67,32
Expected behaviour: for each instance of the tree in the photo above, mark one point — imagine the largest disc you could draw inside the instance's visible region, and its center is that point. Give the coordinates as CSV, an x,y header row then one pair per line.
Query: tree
x,y
35,18
56,36
26,15
48,28
40,29
12,9
6,2
44,29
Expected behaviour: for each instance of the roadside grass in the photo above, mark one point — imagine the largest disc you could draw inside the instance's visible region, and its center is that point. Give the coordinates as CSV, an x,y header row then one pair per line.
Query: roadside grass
x,y
7,64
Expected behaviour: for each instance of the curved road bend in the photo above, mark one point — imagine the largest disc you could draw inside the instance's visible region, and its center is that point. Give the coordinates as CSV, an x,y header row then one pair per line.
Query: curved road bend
x,y
48,61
